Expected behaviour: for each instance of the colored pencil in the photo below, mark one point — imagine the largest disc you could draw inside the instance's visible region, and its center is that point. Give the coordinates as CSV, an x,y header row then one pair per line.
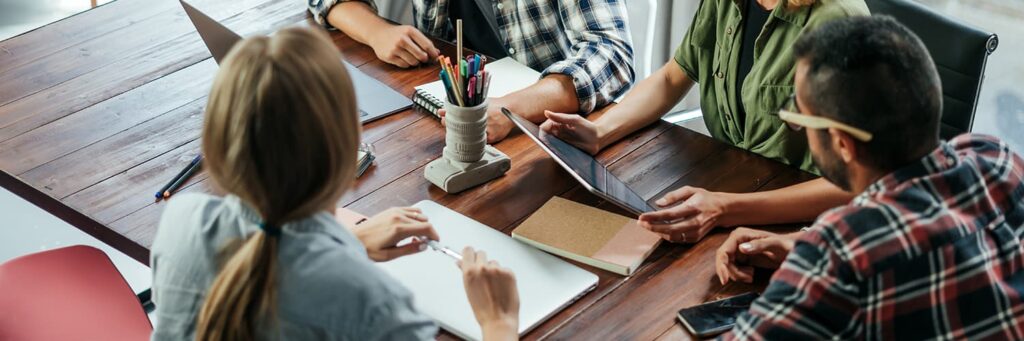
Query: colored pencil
x,y
160,194
193,167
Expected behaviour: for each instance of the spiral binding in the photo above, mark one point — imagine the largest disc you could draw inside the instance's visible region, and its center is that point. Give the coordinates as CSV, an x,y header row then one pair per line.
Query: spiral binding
x,y
427,102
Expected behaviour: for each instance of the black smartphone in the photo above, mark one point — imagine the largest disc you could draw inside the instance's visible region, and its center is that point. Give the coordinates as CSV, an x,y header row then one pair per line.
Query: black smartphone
x,y
716,317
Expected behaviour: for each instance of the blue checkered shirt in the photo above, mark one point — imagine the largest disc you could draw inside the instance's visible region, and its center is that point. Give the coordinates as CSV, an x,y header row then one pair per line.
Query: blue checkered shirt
x,y
587,40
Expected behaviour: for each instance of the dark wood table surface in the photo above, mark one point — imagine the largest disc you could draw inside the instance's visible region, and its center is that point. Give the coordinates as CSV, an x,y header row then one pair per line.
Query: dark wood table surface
x,y
98,110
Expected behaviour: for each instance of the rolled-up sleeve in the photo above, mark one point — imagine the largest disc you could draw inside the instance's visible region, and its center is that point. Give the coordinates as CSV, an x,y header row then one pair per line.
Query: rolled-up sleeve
x,y
601,60
320,8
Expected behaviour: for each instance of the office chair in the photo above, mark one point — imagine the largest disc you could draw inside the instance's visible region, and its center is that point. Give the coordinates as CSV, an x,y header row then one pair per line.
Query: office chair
x,y
960,52
71,293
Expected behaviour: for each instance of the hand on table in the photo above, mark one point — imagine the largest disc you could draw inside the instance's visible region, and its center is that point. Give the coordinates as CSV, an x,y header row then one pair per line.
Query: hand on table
x,y
574,129
689,214
381,233
498,126
746,249
403,46
492,293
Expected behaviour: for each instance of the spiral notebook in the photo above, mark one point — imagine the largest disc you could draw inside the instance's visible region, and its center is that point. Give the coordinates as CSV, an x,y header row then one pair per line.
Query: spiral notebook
x,y
509,76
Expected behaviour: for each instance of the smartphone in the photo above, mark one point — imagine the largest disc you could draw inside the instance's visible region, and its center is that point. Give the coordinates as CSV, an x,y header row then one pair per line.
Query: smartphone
x,y
716,317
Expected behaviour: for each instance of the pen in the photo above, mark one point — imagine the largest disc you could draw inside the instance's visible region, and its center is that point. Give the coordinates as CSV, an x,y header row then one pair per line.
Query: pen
x,y
487,83
167,187
192,168
479,85
433,244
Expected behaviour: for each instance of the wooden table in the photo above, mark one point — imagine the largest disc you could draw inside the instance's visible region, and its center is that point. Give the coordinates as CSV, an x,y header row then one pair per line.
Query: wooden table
x,y
97,111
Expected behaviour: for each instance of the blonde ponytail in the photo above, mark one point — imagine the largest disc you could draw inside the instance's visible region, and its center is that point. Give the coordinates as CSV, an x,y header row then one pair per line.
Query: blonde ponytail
x,y
281,133
243,295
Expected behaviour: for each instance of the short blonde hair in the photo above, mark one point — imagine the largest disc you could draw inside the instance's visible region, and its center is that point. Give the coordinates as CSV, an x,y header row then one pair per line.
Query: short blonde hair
x,y
800,3
281,133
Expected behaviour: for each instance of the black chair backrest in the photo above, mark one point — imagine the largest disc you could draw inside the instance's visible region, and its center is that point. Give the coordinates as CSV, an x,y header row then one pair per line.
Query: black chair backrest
x,y
960,52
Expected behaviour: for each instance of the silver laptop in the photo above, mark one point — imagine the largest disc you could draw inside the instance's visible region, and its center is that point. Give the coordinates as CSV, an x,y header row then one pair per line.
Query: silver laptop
x,y
584,168
375,99
546,283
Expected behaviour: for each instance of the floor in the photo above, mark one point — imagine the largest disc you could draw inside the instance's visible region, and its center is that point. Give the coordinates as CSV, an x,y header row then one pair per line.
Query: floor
x,y
20,16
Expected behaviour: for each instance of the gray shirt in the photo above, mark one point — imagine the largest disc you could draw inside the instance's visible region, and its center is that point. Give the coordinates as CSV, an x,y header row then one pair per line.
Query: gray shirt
x,y
327,287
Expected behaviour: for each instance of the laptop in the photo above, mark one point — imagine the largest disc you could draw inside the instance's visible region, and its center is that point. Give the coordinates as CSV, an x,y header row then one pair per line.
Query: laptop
x,y
583,167
375,99
546,283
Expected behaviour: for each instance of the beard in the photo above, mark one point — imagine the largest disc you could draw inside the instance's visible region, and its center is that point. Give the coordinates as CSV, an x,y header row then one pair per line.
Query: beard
x,y
831,168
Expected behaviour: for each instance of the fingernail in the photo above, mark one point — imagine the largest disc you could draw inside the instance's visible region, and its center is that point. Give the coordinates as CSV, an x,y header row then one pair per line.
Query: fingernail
x,y
746,246
661,202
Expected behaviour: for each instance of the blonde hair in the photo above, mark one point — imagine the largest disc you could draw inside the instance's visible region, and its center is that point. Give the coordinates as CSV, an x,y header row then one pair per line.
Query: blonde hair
x,y
281,133
800,3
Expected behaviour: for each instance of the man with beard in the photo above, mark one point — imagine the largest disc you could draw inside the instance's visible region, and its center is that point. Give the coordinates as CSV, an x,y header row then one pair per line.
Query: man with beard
x,y
931,245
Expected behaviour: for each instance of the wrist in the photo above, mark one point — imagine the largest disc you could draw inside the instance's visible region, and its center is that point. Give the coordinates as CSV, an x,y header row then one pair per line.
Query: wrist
x,y
500,329
733,206
602,134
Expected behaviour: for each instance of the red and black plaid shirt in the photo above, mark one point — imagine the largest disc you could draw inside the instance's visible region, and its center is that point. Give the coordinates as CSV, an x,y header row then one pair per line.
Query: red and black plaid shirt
x,y
931,251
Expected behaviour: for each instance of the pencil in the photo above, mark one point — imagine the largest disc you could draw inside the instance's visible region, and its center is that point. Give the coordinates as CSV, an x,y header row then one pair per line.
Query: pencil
x,y
160,194
193,167
458,40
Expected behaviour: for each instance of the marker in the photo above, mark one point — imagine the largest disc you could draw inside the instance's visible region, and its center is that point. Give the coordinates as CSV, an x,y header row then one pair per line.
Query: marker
x,y
472,86
167,187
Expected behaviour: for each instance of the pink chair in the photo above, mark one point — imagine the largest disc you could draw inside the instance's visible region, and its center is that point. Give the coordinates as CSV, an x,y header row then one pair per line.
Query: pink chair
x,y
72,293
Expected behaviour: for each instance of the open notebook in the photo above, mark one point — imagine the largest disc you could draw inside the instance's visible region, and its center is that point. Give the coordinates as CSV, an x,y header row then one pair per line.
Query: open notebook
x,y
509,76
588,235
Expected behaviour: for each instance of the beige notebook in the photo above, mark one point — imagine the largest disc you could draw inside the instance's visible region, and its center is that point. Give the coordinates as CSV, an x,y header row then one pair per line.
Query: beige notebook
x,y
588,235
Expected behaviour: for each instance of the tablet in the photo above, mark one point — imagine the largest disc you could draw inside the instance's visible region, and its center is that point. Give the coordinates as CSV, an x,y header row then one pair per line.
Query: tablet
x,y
582,166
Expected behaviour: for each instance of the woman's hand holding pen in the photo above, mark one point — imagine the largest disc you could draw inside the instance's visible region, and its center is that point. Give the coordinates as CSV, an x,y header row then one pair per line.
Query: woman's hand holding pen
x,y
492,293
381,233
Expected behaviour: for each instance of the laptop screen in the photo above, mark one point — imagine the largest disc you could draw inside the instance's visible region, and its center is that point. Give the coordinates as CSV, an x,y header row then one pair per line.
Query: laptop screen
x,y
587,170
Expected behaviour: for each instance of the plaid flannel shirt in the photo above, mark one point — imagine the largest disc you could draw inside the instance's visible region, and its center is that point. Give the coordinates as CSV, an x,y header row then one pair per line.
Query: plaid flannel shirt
x,y
931,251
587,40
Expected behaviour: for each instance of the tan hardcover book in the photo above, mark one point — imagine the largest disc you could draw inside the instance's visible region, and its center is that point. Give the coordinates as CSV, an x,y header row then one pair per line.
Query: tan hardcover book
x,y
588,235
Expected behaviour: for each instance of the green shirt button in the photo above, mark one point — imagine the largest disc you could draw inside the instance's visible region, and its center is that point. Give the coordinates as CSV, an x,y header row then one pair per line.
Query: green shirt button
x,y
719,75
728,31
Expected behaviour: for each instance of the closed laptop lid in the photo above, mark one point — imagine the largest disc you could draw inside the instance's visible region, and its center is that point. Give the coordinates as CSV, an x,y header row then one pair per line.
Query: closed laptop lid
x,y
546,283
218,38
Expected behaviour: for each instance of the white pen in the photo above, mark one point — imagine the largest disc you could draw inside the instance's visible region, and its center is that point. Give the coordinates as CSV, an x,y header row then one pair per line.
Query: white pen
x,y
433,244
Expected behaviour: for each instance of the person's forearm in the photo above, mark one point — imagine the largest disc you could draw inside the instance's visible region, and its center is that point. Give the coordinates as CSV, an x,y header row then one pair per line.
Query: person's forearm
x,y
357,19
797,203
645,104
500,331
555,92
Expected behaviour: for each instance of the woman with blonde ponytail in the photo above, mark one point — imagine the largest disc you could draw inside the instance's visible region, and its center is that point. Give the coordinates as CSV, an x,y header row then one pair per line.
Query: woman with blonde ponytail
x,y
268,261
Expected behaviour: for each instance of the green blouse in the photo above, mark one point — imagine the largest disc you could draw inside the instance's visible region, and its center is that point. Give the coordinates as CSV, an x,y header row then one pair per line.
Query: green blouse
x,y
710,55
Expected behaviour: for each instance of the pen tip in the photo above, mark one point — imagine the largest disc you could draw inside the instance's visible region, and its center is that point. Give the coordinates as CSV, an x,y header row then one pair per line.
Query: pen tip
x,y
167,194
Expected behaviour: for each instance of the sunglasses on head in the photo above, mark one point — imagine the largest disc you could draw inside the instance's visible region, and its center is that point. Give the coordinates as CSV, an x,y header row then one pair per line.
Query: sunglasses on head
x,y
795,120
